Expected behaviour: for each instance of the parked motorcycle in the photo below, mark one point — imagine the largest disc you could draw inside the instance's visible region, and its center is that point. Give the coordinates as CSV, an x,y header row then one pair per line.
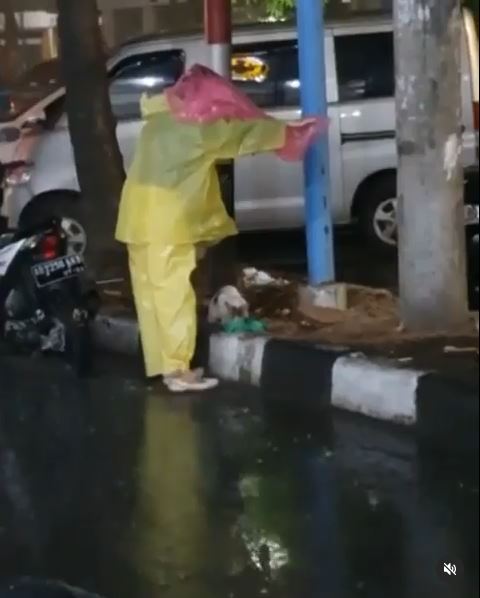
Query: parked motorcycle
x,y
46,303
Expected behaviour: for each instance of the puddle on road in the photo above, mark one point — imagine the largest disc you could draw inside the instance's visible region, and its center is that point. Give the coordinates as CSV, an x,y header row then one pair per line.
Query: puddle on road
x,y
131,495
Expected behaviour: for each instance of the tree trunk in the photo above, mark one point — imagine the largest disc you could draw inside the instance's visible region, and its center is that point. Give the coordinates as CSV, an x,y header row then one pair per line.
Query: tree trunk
x,y
432,262
11,63
92,125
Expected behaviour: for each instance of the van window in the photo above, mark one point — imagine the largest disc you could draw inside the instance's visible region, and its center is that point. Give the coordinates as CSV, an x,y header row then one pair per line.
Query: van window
x,y
365,66
268,73
144,73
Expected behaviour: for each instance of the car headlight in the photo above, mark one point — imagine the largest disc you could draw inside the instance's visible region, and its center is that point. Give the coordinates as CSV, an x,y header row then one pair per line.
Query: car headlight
x,y
471,214
19,175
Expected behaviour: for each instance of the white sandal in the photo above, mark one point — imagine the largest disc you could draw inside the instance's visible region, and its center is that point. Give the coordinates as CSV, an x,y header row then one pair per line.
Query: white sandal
x,y
178,385
189,382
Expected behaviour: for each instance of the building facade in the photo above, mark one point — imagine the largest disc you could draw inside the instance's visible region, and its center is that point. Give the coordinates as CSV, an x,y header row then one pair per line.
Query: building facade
x,y
126,19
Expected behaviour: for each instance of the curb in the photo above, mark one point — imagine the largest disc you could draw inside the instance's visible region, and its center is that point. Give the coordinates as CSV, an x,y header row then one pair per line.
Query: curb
x,y
118,335
444,413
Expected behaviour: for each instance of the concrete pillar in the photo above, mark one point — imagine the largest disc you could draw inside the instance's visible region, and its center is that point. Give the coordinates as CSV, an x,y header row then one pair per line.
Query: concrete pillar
x,y
433,286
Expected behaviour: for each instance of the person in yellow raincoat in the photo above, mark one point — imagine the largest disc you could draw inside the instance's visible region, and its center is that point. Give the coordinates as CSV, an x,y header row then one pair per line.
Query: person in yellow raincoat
x,y
171,204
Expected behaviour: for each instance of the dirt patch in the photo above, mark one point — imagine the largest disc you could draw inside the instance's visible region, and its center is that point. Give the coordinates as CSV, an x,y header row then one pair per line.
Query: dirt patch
x,y
370,311
372,320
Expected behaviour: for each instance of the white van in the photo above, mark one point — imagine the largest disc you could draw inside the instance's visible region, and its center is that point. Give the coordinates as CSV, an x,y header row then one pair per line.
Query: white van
x,y
268,192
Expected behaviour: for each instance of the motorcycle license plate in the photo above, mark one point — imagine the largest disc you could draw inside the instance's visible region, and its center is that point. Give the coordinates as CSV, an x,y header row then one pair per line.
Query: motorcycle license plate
x,y
54,271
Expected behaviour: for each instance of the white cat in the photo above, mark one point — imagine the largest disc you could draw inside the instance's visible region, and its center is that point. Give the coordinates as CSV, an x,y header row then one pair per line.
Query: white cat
x,y
227,303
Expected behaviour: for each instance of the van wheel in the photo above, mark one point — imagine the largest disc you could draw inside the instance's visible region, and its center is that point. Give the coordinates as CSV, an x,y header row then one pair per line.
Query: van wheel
x,y
58,206
377,215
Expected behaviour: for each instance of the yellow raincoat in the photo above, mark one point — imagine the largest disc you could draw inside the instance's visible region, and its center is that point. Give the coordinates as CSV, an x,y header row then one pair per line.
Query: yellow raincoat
x,y
170,203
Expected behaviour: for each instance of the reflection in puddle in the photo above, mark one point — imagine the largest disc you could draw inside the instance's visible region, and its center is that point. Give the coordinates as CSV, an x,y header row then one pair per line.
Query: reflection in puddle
x,y
133,495
170,535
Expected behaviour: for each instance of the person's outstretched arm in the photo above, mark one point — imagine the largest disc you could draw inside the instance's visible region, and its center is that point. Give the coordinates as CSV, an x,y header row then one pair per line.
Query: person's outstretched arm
x,y
231,139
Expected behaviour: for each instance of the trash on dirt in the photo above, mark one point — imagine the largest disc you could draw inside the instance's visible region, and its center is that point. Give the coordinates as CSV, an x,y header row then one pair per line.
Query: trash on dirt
x,y
327,296
228,303
350,305
258,278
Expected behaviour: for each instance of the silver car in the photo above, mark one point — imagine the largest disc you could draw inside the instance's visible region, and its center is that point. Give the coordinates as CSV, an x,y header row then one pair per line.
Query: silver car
x,y
268,192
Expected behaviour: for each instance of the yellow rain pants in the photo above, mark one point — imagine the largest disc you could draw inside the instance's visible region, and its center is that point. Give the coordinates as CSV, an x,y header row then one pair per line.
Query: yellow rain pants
x,y
166,305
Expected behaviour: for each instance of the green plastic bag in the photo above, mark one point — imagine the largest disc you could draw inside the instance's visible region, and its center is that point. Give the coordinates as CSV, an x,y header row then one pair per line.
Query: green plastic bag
x,y
244,325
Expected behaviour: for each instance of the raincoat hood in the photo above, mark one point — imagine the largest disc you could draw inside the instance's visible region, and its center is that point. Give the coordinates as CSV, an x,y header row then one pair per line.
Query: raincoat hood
x,y
202,96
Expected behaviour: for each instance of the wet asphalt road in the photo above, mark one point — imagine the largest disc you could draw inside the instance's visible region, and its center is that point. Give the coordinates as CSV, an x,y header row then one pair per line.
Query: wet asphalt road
x,y
116,487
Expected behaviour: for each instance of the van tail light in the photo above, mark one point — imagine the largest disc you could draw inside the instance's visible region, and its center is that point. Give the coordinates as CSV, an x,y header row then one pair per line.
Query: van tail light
x,y
476,117
50,246
17,173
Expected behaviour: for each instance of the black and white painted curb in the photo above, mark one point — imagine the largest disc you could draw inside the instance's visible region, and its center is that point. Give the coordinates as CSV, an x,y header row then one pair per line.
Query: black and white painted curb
x,y
321,377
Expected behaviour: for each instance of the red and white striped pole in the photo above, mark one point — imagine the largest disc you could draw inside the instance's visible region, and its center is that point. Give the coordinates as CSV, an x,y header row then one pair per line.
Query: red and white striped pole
x,y
218,34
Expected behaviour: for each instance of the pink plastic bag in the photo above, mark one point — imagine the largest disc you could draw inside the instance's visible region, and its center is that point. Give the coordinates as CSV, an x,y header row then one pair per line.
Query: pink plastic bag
x,y
300,136
202,96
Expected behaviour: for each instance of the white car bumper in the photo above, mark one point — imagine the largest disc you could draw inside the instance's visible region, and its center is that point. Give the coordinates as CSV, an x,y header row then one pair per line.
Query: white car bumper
x,y
14,201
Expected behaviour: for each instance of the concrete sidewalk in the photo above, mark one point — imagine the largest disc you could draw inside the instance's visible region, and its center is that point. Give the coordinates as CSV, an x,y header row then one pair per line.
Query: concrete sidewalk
x,y
441,406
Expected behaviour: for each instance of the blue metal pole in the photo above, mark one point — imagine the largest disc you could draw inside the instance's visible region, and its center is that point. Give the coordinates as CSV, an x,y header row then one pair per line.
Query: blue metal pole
x,y
319,230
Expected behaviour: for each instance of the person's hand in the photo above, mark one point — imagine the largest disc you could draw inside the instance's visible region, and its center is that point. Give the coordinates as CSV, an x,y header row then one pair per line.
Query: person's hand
x,y
303,122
